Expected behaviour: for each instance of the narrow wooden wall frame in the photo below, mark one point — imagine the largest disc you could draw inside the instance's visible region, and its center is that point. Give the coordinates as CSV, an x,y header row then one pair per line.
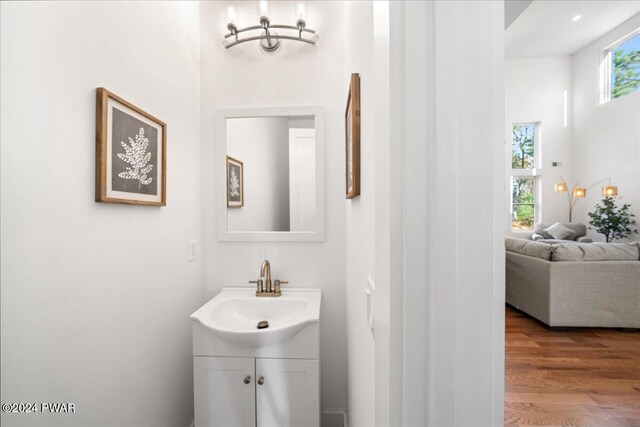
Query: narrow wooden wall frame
x,y
103,189
352,138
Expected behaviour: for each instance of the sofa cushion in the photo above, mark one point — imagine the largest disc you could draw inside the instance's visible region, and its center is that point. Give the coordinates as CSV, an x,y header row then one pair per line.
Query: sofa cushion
x,y
580,229
554,241
594,252
536,237
528,247
561,232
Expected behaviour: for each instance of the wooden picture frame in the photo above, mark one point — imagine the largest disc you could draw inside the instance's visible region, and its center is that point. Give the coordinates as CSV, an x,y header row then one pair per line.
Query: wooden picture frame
x,y
235,183
131,153
352,138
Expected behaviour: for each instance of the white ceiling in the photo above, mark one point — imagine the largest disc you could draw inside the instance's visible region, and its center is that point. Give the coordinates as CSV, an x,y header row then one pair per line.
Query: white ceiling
x,y
545,27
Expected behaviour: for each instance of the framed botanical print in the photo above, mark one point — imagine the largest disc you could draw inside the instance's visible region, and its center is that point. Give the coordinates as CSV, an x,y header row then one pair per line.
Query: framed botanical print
x,y
235,183
352,136
131,153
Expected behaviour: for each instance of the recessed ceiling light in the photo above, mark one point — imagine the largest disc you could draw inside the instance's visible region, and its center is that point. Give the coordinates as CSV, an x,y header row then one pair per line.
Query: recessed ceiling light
x,y
576,18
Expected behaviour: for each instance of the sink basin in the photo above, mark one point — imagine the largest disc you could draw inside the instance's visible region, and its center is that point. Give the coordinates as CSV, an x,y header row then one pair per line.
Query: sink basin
x,y
234,313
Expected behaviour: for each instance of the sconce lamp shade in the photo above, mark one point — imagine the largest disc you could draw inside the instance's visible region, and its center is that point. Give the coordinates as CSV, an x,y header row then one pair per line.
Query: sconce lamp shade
x,y
301,10
231,16
561,187
579,192
610,191
263,9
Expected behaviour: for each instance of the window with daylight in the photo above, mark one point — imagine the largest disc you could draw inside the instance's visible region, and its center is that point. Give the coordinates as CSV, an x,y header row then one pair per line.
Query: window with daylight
x,y
623,66
524,142
523,146
523,207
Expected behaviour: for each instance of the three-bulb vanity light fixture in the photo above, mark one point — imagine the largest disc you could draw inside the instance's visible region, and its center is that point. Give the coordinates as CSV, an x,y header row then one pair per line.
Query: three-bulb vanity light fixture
x,y
579,192
269,40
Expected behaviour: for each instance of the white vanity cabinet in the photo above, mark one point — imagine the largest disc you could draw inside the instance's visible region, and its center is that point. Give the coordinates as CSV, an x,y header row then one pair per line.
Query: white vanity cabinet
x,y
224,391
256,392
289,394
245,376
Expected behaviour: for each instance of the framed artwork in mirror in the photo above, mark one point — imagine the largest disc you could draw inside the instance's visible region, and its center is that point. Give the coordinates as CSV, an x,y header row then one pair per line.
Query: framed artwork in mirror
x,y
131,153
235,183
352,137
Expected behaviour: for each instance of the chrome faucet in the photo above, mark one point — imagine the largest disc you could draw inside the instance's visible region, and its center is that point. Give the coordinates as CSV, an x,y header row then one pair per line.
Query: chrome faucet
x,y
267,290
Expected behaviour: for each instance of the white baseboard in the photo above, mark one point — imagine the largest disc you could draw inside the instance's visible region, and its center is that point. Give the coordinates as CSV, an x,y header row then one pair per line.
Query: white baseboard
x,y
334,419
329,419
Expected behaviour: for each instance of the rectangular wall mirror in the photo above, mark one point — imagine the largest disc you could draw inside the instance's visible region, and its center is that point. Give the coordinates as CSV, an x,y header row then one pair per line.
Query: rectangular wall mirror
x,y
270,174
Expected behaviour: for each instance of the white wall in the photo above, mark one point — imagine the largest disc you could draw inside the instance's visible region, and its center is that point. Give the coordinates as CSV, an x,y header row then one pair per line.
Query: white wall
x,y
360,218
96,297
297,74
386,341
467,253
447,209
438,341
606,137
534,92
262,144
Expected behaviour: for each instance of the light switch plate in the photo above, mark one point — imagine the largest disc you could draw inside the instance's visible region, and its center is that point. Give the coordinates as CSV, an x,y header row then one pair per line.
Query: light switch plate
x,y
370,293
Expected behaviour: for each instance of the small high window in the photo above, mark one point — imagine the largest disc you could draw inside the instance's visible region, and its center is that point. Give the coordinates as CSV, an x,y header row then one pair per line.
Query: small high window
x,y
523,146
623,67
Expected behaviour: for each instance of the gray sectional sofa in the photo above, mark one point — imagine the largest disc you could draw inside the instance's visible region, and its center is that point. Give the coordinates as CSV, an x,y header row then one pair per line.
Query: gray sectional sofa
x,y
575,284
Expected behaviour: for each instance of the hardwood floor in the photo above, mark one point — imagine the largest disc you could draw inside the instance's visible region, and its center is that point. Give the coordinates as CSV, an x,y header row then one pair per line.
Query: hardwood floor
x,y
574,377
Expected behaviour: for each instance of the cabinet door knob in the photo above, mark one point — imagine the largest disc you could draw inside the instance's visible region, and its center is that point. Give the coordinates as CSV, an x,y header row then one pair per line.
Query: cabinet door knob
x,y
247,379
260,380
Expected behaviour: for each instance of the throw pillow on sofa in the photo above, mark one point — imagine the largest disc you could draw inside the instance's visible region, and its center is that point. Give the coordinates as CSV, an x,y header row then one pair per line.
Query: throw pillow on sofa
x,y
561,232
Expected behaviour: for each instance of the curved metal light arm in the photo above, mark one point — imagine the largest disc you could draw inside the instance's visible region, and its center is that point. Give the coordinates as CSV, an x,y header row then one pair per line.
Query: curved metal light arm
x,y
260,27
265,27
242,30
264,37
293,27
602,180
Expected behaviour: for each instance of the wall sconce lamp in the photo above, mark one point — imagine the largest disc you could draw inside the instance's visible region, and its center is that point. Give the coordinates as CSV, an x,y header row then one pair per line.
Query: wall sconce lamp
x,y
578,192
269,40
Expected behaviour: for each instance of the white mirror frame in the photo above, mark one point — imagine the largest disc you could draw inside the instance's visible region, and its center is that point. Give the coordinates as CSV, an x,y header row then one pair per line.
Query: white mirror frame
x,y
220,193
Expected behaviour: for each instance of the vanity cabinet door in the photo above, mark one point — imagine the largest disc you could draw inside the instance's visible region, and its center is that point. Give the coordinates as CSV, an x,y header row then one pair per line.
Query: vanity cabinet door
x,y
287,393
224,396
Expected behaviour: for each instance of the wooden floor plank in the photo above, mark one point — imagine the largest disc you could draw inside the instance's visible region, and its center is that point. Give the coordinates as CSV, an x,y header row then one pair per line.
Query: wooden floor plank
x,y
574,377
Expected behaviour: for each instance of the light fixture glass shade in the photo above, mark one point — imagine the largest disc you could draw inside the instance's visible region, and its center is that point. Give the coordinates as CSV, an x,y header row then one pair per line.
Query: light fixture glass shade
x,y
302,12
561,187
263,9
231,16
579,192
610,191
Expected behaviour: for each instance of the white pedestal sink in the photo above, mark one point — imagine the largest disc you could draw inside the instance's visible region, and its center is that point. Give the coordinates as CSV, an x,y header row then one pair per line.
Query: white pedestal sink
x,y
250,377
233,315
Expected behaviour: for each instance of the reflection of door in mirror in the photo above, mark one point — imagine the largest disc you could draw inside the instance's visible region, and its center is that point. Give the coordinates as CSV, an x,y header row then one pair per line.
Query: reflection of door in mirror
x,y
279,173
302,173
